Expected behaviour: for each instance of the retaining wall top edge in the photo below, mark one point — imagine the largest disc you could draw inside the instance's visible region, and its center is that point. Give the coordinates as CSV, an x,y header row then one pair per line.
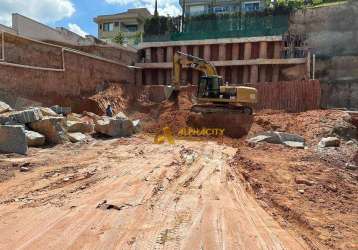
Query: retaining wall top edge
x,y
211,41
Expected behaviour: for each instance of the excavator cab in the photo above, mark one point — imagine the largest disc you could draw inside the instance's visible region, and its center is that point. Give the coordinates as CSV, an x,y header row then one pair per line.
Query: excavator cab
x,y
209,87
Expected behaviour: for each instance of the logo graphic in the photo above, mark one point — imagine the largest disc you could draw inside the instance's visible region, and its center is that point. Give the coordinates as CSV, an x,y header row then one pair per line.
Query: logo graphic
x,y
167,134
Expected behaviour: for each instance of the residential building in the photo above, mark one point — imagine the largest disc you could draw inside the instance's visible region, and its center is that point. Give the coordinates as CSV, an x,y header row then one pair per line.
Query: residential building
x,y
198,7
129,23
30,28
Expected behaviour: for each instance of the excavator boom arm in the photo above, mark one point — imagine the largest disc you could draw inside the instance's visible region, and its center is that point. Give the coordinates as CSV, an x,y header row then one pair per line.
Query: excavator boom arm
x,y
182,60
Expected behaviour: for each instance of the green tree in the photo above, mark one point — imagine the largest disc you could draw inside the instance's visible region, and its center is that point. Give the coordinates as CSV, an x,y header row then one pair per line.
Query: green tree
x,y
138,38
119,38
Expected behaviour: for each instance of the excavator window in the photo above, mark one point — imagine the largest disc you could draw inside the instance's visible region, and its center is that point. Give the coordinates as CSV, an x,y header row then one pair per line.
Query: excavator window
x,y
209,87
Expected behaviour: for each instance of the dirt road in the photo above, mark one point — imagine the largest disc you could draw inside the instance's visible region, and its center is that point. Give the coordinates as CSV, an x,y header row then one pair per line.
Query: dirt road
x,y
183,196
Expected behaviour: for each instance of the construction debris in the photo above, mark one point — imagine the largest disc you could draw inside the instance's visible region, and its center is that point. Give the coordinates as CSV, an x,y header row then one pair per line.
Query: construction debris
x,y
34,139
106,206
76,137
48,112
26,116
329,142
61,110
13,139
290,140
79,126
118,126
137,125
52,128
4,107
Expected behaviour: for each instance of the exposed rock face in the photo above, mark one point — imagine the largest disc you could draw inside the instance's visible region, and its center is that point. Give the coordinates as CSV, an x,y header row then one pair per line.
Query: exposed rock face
x,y
4,107
329,142
34,139
52,128
81,127
331,36
76,137
13,139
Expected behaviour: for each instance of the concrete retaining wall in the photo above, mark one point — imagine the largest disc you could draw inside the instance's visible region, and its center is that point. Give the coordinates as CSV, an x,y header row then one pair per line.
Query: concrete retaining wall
x,y
80,76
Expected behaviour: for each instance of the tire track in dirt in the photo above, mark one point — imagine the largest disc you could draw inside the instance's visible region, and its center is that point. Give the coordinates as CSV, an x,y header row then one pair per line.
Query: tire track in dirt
x,y
181,196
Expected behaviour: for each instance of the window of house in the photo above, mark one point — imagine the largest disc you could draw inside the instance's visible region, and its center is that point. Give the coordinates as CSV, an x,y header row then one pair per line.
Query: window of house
x,y
116,24
252,6
197,10
132,28
100,26
108,27
221,9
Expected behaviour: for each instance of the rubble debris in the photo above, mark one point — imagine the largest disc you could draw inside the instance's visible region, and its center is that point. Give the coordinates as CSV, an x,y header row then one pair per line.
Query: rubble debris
x,y
25,167
301,180
344,130
4,107
52,128
34,139
47,112
76,137
287,139
26,116
118,126
301,191
79,127
13,139
294,144
93,116
351,167
106,206
329,142
61,110
137,124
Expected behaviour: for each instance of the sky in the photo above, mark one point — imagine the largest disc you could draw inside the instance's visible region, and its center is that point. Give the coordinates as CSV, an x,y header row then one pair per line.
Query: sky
x,y
77,15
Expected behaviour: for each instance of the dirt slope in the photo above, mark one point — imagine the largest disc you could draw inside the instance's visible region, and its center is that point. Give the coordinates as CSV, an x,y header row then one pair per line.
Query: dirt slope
x,y
184,196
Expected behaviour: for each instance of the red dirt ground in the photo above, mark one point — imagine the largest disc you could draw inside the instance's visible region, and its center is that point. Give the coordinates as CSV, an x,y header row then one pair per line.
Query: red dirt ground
x,y
309,191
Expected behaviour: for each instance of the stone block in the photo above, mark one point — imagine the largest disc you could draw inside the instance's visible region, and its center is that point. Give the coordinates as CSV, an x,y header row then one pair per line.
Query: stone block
x,y
52,128
137,125
329,142
4,107
115,127
13,139
61,110
79,126
34,139
26,116
76,137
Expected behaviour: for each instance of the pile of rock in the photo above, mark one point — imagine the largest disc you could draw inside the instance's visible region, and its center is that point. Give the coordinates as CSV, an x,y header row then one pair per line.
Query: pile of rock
x,y
34,127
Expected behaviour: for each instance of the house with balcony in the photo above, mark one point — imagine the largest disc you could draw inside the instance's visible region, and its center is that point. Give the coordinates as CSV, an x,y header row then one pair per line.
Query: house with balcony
x,y
129,23
199,7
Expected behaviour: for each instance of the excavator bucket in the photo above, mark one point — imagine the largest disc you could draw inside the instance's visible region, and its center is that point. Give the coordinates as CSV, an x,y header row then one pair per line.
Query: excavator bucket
x,y
234,124
171,93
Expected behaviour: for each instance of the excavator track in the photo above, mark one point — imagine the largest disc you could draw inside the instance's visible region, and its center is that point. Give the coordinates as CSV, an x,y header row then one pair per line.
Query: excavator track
x,y
217,108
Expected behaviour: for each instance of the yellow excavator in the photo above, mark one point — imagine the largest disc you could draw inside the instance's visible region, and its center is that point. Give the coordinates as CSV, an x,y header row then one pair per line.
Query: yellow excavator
x,y
212,95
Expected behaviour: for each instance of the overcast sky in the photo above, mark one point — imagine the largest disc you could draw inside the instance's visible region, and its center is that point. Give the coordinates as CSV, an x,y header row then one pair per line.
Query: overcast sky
x,y
77,15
